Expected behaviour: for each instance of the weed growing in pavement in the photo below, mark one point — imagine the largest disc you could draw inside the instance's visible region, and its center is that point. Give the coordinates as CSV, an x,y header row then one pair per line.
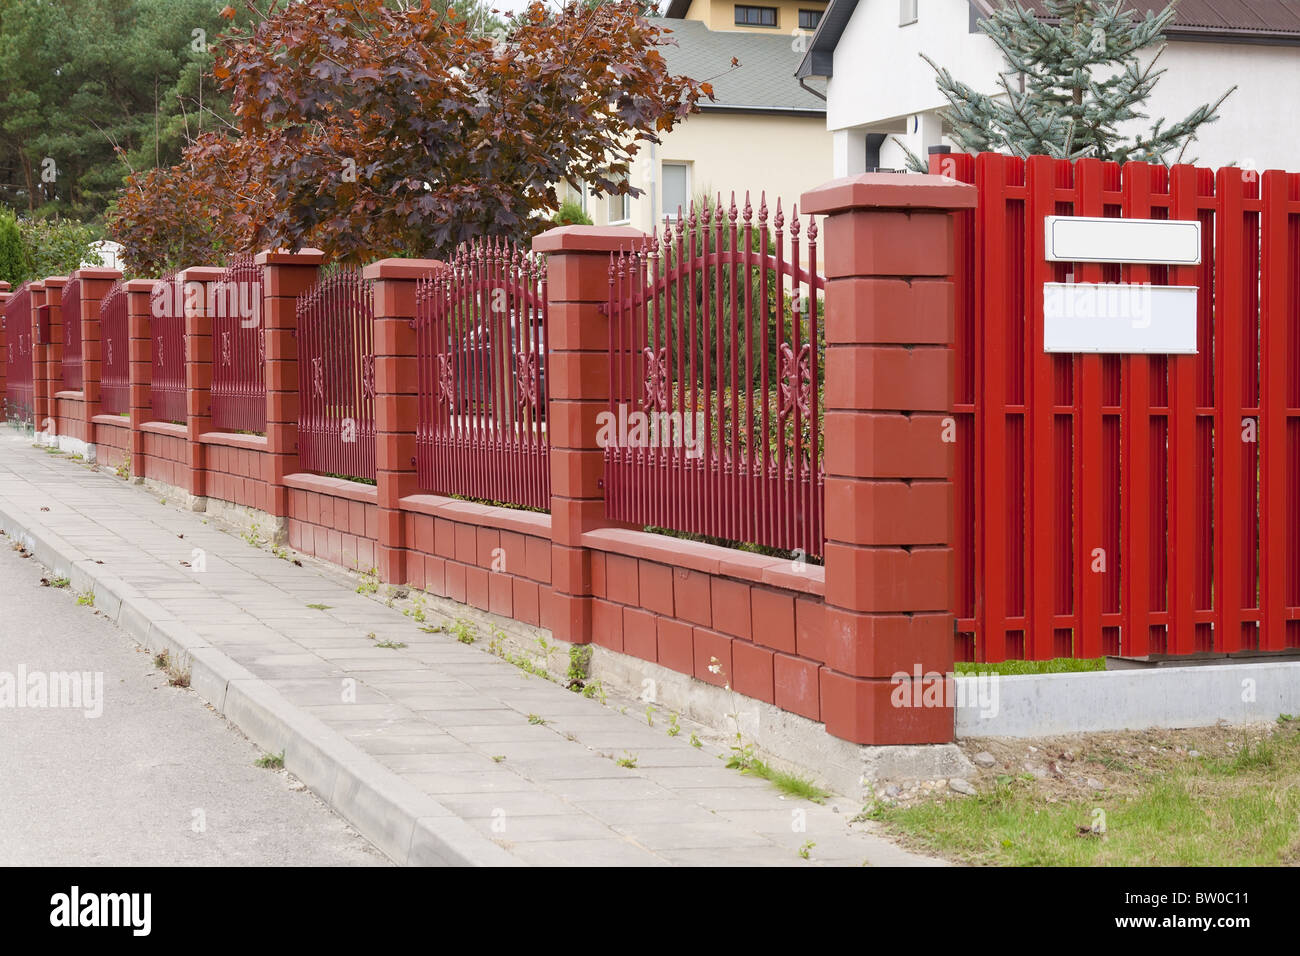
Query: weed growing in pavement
x,y
743,759
650,715
369,582
58,583
271,761
253,536
86,599
392,644
806,850
320,607
673,727
175,676
464,631
628,760
696,742
535,720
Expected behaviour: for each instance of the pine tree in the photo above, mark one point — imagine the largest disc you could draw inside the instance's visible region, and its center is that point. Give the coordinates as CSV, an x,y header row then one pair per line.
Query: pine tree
x,y
1073,78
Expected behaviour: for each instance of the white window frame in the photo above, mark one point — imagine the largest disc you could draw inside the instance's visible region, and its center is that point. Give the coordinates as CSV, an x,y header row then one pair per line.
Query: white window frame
x,y
666,213
909,12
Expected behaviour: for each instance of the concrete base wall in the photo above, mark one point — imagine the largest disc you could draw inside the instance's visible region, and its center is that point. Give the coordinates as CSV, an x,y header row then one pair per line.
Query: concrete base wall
x,y
1047,704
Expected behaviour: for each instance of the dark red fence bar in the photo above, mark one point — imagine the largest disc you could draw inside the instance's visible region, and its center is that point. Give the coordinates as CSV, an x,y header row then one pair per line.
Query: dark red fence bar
x,y
167,349
238,348
19,394
115,381
1129,504
70,311
482,338
336,377
716,356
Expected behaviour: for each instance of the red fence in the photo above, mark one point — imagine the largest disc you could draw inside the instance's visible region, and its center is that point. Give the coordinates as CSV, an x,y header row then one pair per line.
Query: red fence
x,y
336,377
167,350
716,352
238,349
71,313
1133,504
482,344
115,384
19,394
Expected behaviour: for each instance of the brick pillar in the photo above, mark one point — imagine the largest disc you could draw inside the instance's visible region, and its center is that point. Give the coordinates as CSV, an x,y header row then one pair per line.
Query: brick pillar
x,y
54,352
396,404
139,298
4,345
40,362
95,284
577,387
198,370
889,507
286,275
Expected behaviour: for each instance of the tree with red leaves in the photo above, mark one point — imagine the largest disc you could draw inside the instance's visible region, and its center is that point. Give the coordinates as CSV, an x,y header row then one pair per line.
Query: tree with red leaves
x,y
370,130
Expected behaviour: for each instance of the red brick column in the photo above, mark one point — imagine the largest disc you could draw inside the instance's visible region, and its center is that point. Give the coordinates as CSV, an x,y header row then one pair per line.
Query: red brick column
x,y
40,362
577,384
95,284
889,511
139,310
198,370
286,276
54,351
396,404
4,343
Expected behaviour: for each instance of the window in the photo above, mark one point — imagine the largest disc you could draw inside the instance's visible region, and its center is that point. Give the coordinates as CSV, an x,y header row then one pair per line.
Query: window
x,y
808,19
576,195
676,188
907,12
619,208
755,16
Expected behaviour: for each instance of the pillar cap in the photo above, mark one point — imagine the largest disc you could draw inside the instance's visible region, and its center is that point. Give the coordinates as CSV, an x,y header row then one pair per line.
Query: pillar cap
x,y
112,275
281,257
401,268
54,282
4,287
588,239
140,285
888,191
201,274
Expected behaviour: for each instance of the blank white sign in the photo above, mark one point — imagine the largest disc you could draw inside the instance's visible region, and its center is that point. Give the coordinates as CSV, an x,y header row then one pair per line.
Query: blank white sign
x,y
1143,241
1119,317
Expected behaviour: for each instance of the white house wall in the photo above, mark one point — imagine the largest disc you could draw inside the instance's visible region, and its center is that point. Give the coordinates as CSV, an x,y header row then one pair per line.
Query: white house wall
x,y
881,84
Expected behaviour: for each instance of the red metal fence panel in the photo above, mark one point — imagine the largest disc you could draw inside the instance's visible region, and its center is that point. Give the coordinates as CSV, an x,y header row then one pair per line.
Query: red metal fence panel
x,y
115,381
167,350
238,349
1127,504
716,357
482,342
71,313
19,397
336,377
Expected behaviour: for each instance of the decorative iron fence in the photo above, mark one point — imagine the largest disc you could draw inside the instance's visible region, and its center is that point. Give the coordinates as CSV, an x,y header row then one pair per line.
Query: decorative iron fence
x,y
19,394
73,371
482,337
336,377
167,388
715,361
238,349
115,381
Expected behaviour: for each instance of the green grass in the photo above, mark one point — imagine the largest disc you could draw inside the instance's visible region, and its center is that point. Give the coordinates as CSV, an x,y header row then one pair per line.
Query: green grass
x,y
1058,665
743,759
1240,809
271,761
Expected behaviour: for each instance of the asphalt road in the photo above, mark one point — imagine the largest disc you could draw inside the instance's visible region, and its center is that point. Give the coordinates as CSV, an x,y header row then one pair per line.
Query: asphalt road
x,y
155,778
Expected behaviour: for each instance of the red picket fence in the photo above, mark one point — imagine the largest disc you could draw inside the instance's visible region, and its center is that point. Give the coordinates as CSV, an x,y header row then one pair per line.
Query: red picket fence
x,y
716,348
19,394
336,376
1131,504
71,313
482,337
167,350
239,349
115,381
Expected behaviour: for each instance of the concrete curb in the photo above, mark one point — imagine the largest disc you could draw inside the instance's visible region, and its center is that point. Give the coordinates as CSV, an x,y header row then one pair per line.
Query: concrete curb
x,y
408,825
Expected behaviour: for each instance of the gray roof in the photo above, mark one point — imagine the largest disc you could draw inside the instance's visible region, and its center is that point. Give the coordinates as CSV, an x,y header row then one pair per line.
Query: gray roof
x,y
763,82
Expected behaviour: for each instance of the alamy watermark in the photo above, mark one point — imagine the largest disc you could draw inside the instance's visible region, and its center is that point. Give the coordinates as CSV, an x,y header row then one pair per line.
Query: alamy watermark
x,y
64,690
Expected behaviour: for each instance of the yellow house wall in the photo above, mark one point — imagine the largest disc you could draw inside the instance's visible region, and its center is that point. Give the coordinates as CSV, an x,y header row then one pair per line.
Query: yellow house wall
x,y
783,156
721,14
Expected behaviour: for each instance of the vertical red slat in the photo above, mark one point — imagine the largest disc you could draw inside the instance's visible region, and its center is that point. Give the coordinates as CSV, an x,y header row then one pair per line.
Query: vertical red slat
x,y
1277,311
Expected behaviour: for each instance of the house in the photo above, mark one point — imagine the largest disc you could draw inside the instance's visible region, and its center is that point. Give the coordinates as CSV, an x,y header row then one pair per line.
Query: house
x,y
762,132
879,89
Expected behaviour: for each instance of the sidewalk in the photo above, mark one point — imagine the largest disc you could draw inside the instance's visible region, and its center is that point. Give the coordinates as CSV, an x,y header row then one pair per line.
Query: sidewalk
x,y
439,755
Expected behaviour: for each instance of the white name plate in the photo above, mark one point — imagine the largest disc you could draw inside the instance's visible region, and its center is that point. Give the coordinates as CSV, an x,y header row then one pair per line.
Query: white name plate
x,y
1142,241
1119,317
